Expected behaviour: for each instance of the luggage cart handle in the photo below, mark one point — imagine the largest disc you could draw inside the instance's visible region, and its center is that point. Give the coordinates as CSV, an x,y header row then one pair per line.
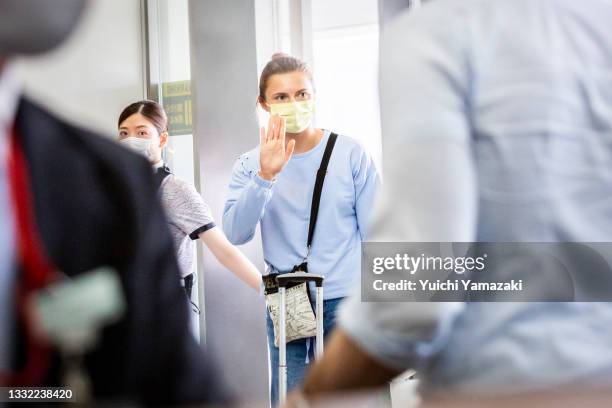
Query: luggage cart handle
x,y
299,277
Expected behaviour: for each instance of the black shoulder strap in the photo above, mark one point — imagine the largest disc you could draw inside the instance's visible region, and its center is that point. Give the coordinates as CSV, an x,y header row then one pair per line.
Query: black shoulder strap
x,y
316,196
160,174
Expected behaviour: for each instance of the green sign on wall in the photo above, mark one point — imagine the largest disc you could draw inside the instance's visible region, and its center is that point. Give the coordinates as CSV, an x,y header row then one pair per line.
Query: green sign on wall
x,y
177,103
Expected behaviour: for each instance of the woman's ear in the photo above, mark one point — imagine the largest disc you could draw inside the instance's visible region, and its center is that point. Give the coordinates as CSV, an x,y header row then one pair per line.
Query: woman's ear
x,y
264,105
163,139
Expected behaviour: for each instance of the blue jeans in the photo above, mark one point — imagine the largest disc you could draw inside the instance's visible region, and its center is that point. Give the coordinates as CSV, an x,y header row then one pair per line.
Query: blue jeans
x,y
296,350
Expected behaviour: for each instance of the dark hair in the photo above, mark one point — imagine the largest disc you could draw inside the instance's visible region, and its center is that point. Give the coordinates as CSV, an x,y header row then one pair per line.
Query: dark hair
x,y
151,110
281,63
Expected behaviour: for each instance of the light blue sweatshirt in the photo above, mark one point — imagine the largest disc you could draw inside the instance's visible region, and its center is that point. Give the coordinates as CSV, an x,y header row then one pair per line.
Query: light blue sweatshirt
x,y
283,209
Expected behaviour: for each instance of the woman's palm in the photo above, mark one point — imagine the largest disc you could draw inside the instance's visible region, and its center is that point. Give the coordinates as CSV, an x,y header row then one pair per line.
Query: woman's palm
x,y
273,154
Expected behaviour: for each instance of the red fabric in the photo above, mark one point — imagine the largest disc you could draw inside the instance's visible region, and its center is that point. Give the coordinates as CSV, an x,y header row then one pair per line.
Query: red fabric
x,y
37,271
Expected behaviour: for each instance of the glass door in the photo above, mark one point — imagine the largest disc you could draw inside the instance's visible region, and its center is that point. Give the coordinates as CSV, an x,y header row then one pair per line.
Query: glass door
x,y
168,75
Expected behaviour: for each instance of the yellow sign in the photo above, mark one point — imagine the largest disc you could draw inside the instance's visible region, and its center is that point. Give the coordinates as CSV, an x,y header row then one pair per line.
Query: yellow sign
x,y
176,97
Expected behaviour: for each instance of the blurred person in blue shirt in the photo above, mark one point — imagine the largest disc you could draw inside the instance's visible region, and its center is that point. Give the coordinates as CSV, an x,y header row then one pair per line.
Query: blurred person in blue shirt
x,y
497,127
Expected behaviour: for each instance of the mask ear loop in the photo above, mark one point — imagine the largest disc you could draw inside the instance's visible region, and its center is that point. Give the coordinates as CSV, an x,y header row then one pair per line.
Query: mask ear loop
x,y
167,152
164,154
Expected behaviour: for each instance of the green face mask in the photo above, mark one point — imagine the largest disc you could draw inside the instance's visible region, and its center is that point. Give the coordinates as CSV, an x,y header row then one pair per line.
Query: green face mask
x,y
298,115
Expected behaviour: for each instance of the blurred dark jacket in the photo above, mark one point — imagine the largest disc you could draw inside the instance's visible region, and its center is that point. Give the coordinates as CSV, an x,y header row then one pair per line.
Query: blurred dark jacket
x,y
96,205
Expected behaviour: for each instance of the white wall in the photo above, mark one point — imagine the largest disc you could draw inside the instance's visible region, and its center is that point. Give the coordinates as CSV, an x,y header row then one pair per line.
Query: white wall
x,y
327,14
97,72
174,33
175,65
345,54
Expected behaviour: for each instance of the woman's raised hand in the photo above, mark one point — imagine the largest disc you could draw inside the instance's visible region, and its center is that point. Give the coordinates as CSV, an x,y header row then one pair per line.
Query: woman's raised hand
x,y
273,154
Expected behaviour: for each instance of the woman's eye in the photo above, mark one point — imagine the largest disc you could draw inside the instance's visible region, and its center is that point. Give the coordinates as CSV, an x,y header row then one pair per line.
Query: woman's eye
x,y
142,133
280,98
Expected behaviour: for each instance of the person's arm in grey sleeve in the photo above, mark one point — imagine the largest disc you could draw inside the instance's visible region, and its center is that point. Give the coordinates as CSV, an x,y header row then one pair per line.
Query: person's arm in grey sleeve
x,y
248,195
429,194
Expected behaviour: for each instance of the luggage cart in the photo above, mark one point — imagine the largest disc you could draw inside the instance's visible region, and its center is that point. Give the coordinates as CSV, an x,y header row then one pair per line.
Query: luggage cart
x,y
284,280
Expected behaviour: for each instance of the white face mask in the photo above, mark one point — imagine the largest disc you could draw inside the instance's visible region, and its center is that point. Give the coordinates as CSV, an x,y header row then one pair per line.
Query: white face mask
x,y
139,145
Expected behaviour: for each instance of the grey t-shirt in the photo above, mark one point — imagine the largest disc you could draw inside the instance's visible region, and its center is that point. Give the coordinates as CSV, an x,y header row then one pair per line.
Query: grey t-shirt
x,y
188,216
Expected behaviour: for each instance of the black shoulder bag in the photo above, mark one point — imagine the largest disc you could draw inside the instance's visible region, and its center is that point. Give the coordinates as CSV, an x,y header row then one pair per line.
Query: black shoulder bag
x,y
301,321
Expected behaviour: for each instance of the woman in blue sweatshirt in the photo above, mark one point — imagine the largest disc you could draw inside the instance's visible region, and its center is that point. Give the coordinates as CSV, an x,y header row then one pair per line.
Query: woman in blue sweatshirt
x,y
273,185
